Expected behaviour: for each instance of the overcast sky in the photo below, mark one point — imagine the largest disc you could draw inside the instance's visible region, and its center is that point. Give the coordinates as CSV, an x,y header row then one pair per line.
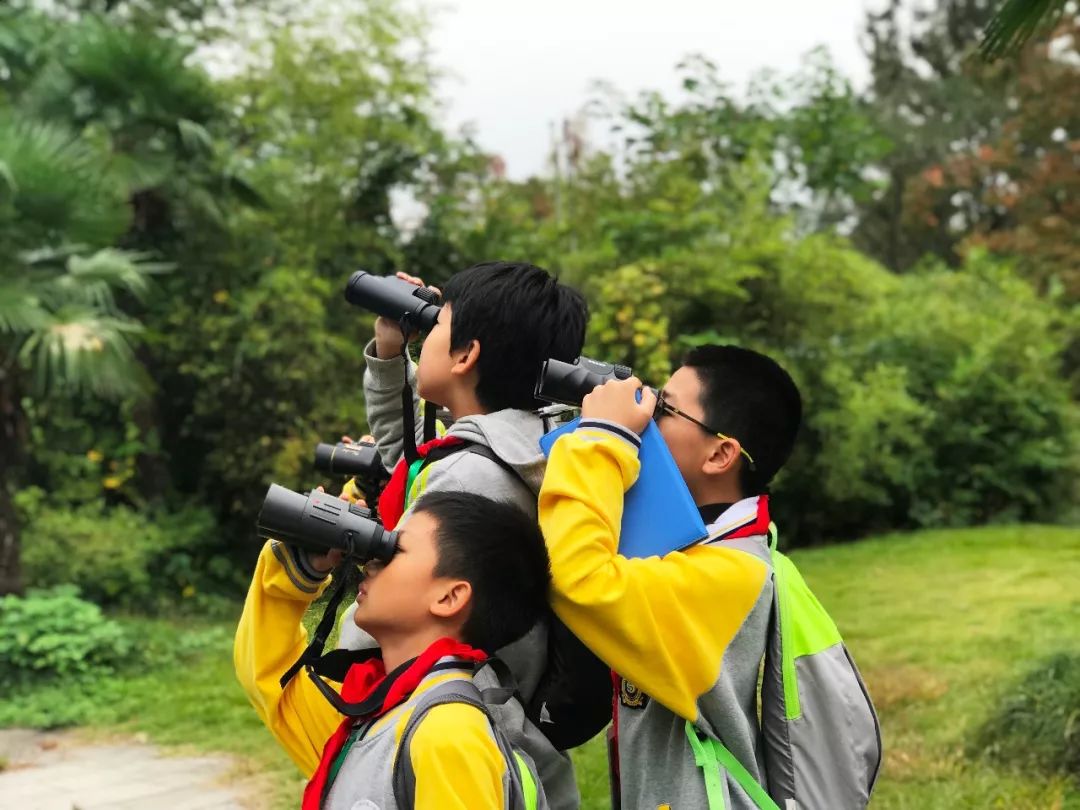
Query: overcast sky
x,y
516,67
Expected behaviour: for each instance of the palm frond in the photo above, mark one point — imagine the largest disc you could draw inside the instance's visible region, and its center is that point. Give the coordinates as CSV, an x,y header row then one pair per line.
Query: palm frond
x,y
1015,22
21,309
62,190
81,351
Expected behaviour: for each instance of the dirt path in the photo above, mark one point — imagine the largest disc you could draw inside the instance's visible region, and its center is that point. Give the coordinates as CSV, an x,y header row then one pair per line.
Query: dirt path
x,y
57,771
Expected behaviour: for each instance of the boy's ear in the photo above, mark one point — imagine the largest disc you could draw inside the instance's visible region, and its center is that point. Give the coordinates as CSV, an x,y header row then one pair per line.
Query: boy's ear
x,y
725,454
465,359
453,599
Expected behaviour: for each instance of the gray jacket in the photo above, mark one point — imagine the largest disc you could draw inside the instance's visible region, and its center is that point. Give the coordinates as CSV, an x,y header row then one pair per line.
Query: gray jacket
x,y
514,436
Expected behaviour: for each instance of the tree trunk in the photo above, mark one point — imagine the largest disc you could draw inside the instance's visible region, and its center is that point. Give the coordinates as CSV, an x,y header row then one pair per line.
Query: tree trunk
x,y
12,444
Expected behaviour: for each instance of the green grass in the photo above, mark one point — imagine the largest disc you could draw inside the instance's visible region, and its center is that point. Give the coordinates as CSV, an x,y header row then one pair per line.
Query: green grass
x,y
941,624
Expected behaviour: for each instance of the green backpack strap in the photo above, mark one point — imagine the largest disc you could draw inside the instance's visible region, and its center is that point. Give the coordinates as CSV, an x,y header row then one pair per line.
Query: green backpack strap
x,y
713,758
528,783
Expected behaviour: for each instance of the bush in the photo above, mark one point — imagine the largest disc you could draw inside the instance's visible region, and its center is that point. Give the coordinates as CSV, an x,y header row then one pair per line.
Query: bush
x,y
54,633
1038,723
123,557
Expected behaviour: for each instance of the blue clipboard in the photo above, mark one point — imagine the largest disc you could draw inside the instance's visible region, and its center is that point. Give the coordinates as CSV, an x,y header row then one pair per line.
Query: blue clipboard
x,y
659,514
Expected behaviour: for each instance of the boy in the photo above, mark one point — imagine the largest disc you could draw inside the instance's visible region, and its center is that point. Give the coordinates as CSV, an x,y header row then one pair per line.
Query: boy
x,y
686,632
499,321
470,575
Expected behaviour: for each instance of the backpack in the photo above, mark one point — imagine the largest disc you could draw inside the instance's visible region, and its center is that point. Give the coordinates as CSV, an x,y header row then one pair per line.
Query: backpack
x,y
523,785
821,735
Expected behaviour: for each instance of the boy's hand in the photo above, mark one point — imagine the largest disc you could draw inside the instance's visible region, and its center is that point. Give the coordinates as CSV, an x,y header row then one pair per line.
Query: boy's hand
x,y
616,401
325,563
388,331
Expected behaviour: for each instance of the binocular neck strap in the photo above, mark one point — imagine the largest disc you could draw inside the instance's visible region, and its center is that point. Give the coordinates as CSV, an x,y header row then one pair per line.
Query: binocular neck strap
x,y
314,651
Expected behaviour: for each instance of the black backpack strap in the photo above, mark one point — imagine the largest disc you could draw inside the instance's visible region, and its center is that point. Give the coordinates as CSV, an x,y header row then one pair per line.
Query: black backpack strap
x,y
486,452
451,692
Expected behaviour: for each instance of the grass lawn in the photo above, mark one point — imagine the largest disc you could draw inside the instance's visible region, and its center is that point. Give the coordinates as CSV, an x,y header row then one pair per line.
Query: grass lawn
x,y
941,624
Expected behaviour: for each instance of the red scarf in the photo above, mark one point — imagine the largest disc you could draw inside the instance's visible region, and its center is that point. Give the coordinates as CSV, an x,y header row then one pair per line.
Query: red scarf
x,y
361,680
392,500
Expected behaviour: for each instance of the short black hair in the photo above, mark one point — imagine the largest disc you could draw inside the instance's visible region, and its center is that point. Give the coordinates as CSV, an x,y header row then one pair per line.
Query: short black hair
x,y
500,551
748,396
522,316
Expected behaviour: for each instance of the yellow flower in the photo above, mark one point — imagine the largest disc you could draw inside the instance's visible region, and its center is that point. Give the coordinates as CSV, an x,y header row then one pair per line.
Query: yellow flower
x,y
188,592
112,482
95,456
221,296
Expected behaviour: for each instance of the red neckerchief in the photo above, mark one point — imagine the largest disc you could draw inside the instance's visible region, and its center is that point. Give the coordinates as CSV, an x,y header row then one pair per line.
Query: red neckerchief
x,y
361,680
760,525
392,500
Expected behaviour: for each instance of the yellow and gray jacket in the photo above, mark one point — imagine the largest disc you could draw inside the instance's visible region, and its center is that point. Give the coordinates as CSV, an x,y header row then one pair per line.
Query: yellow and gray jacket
x,y
456,759
688,633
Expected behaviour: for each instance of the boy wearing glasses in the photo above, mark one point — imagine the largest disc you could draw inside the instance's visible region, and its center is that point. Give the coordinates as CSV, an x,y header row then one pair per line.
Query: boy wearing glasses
x,y
686,632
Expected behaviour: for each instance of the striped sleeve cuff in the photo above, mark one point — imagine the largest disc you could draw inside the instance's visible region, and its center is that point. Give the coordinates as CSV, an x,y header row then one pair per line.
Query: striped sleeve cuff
x,y
612,428
296,565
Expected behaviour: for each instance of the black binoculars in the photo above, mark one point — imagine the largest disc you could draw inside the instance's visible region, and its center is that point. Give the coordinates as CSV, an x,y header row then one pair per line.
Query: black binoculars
x,y
394,298
318,522
569,383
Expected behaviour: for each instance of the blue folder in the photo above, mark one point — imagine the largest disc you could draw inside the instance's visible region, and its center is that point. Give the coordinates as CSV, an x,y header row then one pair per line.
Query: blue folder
x,y
659,514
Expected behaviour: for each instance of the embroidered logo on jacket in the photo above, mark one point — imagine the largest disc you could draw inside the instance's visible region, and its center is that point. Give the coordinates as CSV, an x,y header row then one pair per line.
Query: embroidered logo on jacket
x,y
631,696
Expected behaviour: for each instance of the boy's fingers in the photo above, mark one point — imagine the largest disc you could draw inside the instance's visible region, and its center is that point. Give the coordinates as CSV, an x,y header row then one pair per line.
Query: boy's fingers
x,y
648,399
419,282
346,440
368,438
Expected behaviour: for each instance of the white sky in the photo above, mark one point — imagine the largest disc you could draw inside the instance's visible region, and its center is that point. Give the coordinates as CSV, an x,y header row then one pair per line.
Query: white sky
x,y
517,67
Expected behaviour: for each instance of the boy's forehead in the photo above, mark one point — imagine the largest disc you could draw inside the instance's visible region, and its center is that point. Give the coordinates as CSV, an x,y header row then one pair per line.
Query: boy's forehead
x,y
683,387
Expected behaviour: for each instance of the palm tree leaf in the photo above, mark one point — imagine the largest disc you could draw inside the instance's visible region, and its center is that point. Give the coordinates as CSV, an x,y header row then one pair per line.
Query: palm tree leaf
x,y
1015,22
21,309
63,191
81,351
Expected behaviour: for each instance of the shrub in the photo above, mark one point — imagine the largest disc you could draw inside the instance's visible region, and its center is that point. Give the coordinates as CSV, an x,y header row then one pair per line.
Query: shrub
x,y
1037,725
123,557
54,633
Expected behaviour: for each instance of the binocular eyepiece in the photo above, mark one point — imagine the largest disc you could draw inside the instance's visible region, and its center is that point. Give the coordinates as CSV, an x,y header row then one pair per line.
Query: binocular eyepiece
x,y
318,522
358,459
394,298
569,383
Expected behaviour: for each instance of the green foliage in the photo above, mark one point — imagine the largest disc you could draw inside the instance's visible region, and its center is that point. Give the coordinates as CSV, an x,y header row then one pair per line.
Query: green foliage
x,y
117,556
268,380
54,633
1036,725
630,322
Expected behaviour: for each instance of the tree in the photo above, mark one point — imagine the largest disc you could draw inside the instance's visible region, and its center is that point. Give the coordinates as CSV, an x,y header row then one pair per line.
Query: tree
x,y
58,283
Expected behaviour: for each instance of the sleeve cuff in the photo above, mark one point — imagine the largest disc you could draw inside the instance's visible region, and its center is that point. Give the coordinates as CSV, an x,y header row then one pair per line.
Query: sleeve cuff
x,y
298,567
387,374
610,428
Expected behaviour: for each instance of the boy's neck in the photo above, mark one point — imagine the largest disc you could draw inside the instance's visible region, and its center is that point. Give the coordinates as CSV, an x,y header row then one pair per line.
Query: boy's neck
x,y
396,650
717,492
464,403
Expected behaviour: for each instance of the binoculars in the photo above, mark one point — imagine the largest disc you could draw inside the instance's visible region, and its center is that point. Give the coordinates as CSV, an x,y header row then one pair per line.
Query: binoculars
x,y
393,298
318,522
569,383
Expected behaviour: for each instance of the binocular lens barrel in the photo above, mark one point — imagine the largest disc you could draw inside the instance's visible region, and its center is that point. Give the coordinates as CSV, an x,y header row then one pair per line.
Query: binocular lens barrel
x,y
319,522
569,383
393,298
360,459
